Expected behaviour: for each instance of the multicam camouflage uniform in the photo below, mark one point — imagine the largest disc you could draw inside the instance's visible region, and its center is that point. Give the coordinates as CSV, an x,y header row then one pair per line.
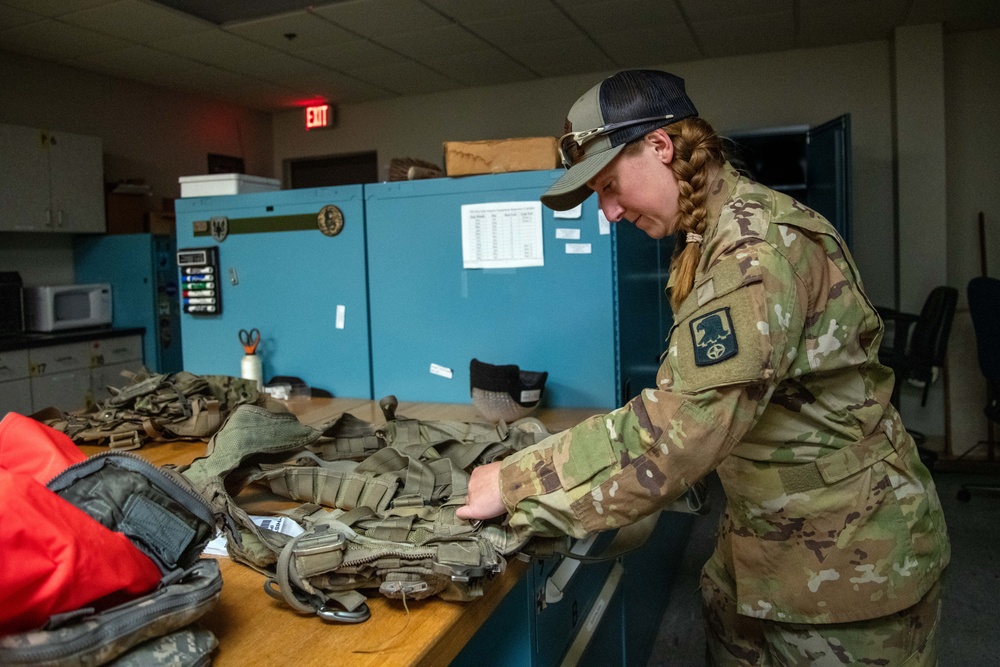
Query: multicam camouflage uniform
x,y
771,377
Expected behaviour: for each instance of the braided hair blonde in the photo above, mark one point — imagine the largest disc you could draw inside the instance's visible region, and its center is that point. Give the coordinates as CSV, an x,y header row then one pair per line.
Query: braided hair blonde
x,y
697,150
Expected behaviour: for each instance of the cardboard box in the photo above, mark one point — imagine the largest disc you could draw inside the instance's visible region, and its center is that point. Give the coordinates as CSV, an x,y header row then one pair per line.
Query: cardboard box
x,y
161,223
463,158
210,185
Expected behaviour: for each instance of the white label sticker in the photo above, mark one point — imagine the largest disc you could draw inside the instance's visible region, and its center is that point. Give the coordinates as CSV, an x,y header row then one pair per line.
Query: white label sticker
x,y
340,317
577,248
572,214
441,370
530,395
567,233
603,223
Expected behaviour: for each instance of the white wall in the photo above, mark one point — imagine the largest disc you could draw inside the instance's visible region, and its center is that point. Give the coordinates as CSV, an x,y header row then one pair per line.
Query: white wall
x,y
972,139
148,133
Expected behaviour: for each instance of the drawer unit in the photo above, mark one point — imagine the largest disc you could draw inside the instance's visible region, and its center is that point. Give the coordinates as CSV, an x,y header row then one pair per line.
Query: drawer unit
x,y
115,350
15,387
13,365
59,358
68,391
69,376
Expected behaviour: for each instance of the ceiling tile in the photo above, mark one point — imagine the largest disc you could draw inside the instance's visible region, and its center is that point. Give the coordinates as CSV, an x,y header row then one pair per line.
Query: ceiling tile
x,y
650,46
463,10
310,31
11,17
351,54
282,68
646,16
481,68
56,7
745,34
711,10
406,78
558,57
213,47
528,28
137,21
52,40
825,23
340,88
382,17
143,64
433,42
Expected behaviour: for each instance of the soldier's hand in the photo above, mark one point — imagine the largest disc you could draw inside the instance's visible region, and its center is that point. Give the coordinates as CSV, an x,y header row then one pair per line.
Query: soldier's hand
x,y
484,501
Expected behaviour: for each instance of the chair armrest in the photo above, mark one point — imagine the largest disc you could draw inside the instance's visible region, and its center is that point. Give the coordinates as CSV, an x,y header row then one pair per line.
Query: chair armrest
x,y
902,323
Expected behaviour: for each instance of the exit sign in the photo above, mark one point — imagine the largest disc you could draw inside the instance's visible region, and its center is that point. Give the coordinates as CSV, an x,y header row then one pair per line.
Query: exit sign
x,y
318,116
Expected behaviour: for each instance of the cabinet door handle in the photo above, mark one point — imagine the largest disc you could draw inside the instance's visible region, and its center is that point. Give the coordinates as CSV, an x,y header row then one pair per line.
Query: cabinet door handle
x,y
59,218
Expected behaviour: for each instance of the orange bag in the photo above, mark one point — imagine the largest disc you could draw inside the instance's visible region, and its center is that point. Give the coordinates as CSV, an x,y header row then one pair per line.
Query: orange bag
x,y
56,558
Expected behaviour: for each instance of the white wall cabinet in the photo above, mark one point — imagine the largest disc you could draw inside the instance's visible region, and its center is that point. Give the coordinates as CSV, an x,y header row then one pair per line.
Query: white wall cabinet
x,y
50,181
70,376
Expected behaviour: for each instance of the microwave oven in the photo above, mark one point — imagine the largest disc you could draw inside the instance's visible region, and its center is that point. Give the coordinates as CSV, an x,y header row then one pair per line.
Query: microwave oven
x,y
58,307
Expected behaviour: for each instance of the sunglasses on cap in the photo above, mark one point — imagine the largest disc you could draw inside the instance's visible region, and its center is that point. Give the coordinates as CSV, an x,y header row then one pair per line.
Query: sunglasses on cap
x,y
571,143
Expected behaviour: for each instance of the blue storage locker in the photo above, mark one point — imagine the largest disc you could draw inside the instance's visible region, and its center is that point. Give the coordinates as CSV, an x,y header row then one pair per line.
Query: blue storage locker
x,y
280,274
595,322
140,269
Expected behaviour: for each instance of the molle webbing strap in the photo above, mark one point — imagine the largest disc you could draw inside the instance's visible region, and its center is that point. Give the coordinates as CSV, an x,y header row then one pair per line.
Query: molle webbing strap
x,y
329,483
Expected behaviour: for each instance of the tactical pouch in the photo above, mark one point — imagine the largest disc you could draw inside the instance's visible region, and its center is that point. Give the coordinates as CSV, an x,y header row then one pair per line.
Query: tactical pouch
x,y
167,520
384,522
171,406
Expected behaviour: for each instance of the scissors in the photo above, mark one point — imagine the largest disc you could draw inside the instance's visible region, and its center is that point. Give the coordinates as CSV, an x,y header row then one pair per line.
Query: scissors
x,y
249,340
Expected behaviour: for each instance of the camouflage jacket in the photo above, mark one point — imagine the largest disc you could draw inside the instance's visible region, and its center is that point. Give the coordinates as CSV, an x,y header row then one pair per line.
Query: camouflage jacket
x,y
771,377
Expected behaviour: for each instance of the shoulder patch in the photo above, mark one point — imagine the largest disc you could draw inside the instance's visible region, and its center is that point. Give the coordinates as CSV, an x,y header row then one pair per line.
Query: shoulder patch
x,y
713,337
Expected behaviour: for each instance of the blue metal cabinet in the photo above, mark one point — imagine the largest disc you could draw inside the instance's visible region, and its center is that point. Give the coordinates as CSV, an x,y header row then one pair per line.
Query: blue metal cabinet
x,y
279,273
595,321
621,619
140,269
648,583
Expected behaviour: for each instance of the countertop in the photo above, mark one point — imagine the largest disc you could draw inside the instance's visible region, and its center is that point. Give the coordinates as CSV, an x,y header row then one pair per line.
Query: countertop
x,y
31,339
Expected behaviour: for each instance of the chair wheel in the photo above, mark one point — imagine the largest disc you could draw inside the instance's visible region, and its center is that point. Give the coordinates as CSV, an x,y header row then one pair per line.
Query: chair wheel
x,y
964,495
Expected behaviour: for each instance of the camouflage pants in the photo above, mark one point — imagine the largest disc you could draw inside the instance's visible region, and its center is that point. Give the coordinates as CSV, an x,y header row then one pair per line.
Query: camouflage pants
x,y
905,639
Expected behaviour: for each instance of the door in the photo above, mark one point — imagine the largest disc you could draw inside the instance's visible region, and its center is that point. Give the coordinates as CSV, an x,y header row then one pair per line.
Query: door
x,y
828,175
77,177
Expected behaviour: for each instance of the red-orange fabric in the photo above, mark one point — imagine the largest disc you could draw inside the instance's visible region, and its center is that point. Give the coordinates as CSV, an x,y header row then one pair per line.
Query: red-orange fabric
x,y
31,448
55,557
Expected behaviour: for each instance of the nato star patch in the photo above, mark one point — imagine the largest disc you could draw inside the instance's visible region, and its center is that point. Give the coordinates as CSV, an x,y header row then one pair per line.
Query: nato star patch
x,y
714,337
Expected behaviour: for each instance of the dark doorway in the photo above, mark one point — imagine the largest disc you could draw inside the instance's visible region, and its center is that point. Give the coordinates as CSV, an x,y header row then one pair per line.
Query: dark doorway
x,y
317,172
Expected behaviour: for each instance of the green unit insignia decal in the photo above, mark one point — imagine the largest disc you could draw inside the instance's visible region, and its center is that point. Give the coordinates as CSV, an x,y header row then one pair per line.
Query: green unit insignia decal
x,y
714,337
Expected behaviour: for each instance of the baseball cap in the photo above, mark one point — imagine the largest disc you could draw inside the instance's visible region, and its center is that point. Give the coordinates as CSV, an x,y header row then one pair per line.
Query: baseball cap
x,y
622,108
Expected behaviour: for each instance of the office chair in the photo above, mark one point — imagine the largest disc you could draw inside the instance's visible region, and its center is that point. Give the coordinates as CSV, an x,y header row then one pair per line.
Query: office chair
x,y
918,350
920,342
984,307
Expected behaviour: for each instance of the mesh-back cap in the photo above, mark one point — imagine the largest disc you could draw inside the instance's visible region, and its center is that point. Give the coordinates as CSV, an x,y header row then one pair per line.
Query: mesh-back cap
x,y
627,95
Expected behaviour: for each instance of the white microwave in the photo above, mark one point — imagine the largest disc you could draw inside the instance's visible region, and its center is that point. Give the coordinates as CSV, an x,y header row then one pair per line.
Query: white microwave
x,y
58,307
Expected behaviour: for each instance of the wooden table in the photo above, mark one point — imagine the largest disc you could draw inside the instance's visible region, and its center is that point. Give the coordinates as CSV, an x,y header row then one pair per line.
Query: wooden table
x,y
254,629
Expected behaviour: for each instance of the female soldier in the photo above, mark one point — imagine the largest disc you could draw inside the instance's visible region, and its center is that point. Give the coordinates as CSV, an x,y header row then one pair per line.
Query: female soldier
x,y
832,541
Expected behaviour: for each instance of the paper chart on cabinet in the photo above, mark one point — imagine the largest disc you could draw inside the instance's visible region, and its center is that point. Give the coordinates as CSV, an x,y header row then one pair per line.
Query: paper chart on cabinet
x,y
502,235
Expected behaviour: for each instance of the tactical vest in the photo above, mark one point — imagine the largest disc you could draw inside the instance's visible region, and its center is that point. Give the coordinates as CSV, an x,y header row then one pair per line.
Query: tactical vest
x,y
378,505
173,406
